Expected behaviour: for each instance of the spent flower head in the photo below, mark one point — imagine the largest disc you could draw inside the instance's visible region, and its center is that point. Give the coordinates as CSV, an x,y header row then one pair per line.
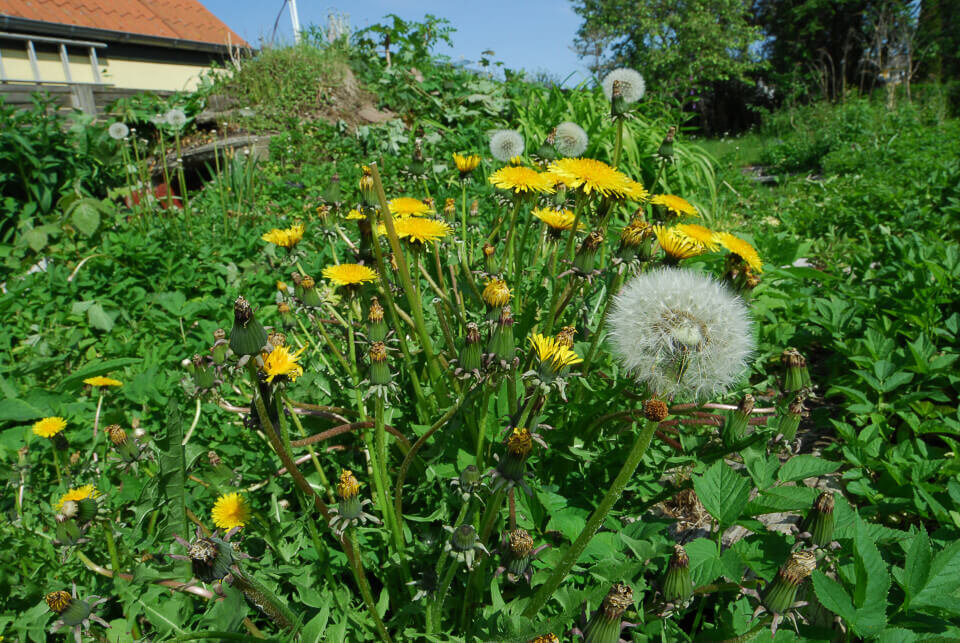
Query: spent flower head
x,y
630,82
118,131
506,144
570,139
681,333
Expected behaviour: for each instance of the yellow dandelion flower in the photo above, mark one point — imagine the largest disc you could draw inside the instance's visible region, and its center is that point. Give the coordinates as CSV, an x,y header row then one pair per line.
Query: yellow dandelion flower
x,y
349,274
49,427
281,286
231,510
286,238
354,215
76,495
636,192
741,248
635,233
557,219
591,175
466,164
406,206
704,236
417,230
679,206
676,246
550,350
496,293
348,486
280,361
101,381
521,179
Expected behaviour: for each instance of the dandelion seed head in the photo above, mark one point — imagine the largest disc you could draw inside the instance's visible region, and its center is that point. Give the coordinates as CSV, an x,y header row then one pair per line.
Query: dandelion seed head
x,y
632,85
506,144
571,139
118,131
681,333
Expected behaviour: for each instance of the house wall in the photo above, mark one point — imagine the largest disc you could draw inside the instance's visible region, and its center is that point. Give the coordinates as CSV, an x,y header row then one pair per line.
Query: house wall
x,y
124,66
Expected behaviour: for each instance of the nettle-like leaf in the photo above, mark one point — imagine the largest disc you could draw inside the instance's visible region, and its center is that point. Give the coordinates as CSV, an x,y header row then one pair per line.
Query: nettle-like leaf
x,y
723,492
931,583
865,612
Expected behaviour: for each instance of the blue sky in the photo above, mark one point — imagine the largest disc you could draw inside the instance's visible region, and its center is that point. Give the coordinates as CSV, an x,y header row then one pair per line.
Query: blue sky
x,y
528,34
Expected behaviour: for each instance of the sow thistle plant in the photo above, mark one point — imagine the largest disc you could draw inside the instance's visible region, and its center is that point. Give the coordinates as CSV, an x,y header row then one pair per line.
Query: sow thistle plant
x,y
576,295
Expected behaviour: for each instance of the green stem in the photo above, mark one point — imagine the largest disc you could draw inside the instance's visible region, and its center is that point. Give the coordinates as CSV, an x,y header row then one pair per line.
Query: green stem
x,y
313,454
436,614
365,586
613,494
56,465
380,440
618,144
272,605
111,547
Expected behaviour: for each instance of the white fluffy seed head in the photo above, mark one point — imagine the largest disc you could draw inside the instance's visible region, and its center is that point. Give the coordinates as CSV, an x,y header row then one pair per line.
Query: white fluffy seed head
x,y
176,118
571,141
632,86
118,131
505,144
681,333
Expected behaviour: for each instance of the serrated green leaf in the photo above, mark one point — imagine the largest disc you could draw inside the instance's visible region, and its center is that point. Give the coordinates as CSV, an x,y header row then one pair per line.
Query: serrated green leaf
x,y
872,583
705,563
314,629
805,466
942,583
916,567
723,492
834,597
172,477
36,238
17,410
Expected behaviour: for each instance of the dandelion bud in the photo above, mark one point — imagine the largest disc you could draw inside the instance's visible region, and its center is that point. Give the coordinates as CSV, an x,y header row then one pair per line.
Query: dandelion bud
x,y
376,327
501,345
519,554
655,410
636,240
790,422
474,208
587,252
310,297
735,428
220,345
489,261
665,151
677,587
379,370
547,152
58,601
203,373
464,543
60,442
511,468
287,320
417,167
348,487
618,106
797,376
496,295
332,193
470,355
781,593
210,558
247,336
606,623
546,638
820,520
469,480
450,208
466,164
367,191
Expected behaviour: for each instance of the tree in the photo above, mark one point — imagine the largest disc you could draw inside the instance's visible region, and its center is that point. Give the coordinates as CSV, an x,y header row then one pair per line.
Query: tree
x,y
938,29
681,48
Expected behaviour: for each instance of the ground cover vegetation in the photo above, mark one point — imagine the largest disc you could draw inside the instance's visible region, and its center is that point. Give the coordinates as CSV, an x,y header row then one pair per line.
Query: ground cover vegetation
x,y
521,363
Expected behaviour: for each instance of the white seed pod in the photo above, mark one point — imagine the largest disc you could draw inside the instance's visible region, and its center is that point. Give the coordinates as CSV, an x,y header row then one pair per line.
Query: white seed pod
x,y
681,333
176,118
571,140
118,131
632,86
506,144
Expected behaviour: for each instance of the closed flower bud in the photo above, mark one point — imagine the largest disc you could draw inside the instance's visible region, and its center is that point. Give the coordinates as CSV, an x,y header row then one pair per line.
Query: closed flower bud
x,y
618,106
489,258
367,191
464,544
376,326
470,355
790,421
665,151
379,369
797,375
496,295
310,297
247,336
203,374
220,345
636,240
565,336
519,554
502,346
512,466
677,586
820,520
606,623
332,193
781,593
210,558
349,510
469,480
735,428
587,252
287,320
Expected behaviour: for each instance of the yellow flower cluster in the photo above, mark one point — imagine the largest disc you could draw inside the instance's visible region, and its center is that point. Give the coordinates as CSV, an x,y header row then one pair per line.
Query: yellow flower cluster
x,y
286,238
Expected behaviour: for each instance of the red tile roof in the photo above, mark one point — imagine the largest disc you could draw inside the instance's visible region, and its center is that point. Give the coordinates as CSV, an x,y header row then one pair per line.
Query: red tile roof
x,y
175,19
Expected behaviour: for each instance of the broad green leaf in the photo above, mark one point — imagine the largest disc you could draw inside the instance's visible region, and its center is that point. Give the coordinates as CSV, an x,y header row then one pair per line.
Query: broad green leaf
x,y
782,499
872,583
36,238
314,629
834,597
75,379
805,466
705,563
17,410
916,567
760,467
723,492
896,635
98,318
940,590
86,219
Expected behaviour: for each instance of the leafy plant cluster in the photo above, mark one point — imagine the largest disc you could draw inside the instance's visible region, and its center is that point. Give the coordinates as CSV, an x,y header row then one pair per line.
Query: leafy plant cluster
x,y
140,299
